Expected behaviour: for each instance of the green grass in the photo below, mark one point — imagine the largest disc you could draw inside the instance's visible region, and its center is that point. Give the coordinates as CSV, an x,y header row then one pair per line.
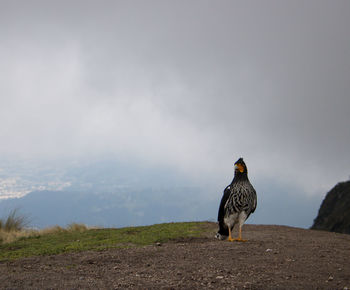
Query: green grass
x,y
78,238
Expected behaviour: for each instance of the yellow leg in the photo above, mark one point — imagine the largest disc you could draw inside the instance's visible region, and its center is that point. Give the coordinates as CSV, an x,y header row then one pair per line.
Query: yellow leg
x,y
239,239
240,236
230,235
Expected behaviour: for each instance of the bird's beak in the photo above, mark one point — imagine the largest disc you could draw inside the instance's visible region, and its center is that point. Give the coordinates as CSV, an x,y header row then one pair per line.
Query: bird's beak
x,y
239,167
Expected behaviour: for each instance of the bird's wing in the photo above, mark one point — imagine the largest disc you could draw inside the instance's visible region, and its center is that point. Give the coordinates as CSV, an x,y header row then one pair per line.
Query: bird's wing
x,y
224,199
223,230
255,201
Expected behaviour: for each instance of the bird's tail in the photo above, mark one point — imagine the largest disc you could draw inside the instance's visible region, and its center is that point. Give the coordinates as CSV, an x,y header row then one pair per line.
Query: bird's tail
x,y
222,233
220,237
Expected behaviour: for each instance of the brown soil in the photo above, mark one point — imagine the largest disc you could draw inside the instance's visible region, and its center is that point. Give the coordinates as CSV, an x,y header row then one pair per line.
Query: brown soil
x,y
275,257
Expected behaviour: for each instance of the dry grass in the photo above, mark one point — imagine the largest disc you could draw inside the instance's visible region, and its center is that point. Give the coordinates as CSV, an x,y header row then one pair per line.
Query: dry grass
x,y
9,237
14,235
74,227
14,222
77,227
14,228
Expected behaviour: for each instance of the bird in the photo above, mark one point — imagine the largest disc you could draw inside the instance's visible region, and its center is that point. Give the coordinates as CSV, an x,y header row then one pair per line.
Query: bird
x,y
239,200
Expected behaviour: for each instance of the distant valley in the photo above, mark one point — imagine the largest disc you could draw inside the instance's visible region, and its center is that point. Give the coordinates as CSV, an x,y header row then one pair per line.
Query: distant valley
x,y
105,193
111,193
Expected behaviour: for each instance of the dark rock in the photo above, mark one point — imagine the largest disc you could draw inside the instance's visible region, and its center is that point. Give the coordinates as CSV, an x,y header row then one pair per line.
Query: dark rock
x,y
334,213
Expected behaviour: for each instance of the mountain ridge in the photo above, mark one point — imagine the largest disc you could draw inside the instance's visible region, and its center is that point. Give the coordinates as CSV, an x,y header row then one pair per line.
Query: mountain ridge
x,y
334,213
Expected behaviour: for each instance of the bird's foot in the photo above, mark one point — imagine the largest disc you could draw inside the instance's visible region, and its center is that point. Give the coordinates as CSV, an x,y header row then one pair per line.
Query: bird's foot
x,y
236,240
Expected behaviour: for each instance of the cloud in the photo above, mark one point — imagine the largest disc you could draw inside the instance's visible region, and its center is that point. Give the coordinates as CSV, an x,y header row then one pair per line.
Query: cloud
x,y
193,85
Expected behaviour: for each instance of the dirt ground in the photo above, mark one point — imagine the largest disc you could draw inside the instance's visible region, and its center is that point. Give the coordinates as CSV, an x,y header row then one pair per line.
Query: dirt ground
x,y
274,257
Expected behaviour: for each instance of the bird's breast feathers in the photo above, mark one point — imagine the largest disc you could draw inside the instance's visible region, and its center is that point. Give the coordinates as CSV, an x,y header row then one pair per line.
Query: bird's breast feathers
x,y
242,197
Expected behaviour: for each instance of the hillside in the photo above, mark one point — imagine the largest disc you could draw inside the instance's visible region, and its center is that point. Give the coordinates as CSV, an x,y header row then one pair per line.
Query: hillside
x,y
275,257
334,213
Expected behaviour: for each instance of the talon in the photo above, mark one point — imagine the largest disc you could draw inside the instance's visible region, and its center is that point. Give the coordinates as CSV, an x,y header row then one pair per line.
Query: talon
x,y
236,240
240,240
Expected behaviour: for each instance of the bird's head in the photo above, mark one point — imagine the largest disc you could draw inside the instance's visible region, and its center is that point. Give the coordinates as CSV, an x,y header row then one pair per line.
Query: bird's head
x,y
240,167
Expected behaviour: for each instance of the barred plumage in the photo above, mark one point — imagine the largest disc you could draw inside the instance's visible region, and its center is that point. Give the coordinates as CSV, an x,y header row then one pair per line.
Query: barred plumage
x,y
238,202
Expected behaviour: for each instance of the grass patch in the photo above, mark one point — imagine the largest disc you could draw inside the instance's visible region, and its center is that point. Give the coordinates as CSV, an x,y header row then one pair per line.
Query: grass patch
x,y
14,222
13,227
78,238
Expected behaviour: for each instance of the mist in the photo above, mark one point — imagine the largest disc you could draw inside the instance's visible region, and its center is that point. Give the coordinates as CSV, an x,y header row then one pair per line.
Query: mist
x,y
187,85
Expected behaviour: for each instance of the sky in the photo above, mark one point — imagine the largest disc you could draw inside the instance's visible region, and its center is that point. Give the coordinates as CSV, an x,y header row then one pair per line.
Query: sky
x,y
189,85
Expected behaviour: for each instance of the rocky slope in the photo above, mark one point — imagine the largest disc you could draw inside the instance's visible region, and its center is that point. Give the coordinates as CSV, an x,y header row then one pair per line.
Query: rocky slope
x,y
334,213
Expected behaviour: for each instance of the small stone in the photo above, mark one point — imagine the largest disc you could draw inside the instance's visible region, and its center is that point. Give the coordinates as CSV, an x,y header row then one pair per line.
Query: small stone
x,y
330,278
158,244
219,277
268,250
